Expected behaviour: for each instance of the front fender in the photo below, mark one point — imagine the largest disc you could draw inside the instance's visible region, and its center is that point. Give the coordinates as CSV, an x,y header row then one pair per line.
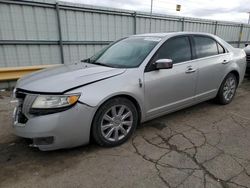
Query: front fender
x,y
96,94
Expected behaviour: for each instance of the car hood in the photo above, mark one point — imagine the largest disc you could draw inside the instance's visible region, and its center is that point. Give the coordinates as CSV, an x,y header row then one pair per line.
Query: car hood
x,y
63,78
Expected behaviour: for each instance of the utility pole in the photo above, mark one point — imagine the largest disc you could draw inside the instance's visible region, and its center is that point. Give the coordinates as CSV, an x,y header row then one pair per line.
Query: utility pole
x,y
151,10
178,8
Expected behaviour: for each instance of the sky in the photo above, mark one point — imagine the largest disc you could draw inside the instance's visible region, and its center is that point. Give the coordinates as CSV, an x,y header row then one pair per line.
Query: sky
x,y
227,10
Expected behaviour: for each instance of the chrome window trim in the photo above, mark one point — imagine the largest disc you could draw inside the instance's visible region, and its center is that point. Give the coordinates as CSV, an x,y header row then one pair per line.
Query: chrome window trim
x,y
203,58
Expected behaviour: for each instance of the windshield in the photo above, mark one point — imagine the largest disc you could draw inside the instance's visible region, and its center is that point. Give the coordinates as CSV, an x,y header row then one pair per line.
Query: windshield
x,y
126,53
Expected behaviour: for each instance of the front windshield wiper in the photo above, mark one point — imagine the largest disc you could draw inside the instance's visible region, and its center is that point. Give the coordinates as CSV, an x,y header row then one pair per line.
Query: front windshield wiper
x,y
95,62
85,60
102,64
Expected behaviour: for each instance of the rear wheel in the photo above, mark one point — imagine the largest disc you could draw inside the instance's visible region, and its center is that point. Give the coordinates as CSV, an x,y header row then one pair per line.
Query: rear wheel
x,y
114,122
227,89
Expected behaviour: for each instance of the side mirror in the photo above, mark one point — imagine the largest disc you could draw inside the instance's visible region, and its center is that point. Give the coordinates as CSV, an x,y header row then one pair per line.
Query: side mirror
x,y
164,64
246,44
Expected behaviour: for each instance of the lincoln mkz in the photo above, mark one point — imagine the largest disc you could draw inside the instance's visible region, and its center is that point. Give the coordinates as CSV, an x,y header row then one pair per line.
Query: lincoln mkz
x,y
132,80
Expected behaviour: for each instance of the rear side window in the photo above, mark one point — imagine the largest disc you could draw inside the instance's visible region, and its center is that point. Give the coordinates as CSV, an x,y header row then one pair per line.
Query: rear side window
x,y
205,46
177,49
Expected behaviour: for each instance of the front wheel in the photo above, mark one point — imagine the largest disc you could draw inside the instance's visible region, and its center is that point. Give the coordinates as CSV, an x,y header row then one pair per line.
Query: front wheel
x,y
114,122
227,89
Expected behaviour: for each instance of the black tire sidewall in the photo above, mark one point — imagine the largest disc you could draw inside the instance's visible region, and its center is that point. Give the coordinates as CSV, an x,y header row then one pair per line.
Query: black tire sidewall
x,y
96,125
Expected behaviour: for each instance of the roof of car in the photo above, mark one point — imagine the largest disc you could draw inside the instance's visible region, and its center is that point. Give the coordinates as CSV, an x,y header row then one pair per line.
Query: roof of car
x,y
171,34
162,35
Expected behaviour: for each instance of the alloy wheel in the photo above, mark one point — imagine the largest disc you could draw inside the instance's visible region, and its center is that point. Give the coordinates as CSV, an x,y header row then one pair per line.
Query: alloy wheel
x,y
116,123
229,88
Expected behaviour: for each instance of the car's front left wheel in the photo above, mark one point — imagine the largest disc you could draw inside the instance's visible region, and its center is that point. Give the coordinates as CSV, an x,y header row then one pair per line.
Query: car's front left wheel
x,y
114,122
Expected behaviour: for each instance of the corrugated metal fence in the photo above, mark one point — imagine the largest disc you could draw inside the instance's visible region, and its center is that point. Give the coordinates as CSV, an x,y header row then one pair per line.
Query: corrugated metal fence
x,y
37,33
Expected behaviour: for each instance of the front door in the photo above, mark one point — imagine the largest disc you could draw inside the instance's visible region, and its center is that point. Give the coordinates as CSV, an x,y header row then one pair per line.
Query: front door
x,y
169,89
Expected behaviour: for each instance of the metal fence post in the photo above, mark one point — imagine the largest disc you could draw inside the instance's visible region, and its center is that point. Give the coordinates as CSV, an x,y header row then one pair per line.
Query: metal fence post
x,y
59,32
248,33
135,23
240,34
215,27
183,24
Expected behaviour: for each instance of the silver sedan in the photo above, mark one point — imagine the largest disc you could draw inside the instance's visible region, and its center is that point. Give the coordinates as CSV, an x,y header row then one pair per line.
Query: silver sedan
x,y
131,81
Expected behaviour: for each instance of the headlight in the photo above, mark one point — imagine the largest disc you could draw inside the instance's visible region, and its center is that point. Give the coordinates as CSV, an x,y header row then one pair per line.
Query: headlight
x,y
54,101
47,104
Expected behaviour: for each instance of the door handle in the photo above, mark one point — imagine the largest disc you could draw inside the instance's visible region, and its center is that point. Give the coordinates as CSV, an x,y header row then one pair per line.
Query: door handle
x,y
225,61
190,70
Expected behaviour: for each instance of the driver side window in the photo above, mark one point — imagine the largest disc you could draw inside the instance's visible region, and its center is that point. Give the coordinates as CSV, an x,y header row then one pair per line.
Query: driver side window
x,y
178,49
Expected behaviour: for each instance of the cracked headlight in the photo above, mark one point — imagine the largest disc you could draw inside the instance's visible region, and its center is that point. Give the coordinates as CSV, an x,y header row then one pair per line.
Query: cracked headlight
x,y
46,104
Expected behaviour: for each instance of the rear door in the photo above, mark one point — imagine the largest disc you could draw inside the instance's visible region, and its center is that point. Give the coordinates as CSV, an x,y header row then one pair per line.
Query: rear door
x,y
212,59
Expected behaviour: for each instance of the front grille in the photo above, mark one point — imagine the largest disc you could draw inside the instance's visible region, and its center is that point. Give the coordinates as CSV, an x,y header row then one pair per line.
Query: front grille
x,y
25,101
21,118
20,95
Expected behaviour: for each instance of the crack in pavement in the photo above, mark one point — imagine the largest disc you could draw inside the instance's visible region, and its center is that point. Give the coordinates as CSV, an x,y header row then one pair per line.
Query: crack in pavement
x,y
165,144
201,166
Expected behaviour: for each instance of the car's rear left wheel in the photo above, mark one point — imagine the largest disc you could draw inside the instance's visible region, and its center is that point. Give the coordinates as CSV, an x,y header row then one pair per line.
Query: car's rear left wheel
x,y
227,89
114,122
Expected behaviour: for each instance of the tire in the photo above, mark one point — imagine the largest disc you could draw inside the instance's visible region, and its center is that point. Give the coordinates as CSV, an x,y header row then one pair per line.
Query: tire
x,y
114,122
229,82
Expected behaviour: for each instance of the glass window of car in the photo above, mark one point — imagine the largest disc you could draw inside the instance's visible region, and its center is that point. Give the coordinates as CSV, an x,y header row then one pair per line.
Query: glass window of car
x,y
178,49
221,50
205,46
126,53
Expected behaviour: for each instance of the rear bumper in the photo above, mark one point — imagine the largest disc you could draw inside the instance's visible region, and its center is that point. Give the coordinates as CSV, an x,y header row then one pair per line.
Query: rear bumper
x,y
67,129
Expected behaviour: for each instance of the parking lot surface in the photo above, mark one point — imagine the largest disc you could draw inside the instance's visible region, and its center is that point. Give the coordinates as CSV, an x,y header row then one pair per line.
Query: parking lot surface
x,y
207,145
